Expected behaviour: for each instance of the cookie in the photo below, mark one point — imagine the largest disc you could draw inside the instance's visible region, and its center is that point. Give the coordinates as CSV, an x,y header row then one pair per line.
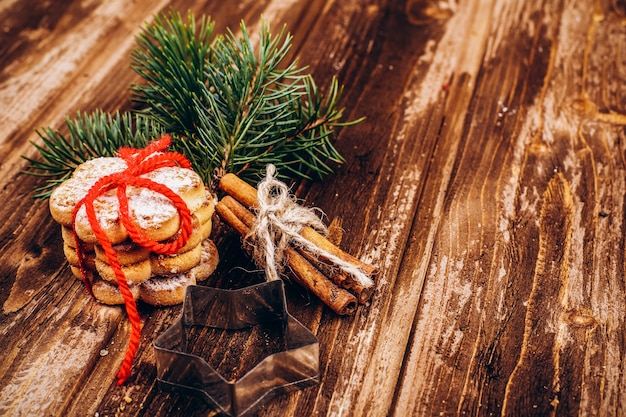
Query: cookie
x,y
134,273
107,213
154,214
65,196
170,289
109,293
193,240
76,272
166,290
184,182
128,252
177,263
72,257
67,234
208,262
206,210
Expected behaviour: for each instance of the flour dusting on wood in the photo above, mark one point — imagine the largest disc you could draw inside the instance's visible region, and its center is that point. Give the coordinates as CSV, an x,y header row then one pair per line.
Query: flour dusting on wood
x,y
34,390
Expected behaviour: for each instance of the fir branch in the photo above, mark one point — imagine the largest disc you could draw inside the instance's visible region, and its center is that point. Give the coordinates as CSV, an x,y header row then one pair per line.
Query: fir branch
x,y
171,55
230,104
89,136
252,102
255,110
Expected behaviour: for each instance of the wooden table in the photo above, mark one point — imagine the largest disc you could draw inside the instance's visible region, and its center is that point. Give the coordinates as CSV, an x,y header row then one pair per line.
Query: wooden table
x,y
487,183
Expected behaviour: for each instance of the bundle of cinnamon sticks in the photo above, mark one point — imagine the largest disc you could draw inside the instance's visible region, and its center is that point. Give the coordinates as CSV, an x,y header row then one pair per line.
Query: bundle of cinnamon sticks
x,y
338,290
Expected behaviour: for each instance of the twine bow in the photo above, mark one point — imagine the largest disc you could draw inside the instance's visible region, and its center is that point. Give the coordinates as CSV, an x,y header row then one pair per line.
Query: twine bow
x,y
279,221
139,161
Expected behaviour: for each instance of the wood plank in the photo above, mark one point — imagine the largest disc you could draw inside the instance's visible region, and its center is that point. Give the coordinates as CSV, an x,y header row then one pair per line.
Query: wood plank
x,y
514,316
424,137
487,184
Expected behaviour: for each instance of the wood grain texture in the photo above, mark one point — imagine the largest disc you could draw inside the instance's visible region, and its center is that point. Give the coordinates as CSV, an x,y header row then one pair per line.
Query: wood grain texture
x,y
487,184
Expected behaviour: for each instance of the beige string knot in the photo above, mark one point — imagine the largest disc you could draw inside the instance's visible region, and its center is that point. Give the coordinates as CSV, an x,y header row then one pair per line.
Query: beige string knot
x,y
279,222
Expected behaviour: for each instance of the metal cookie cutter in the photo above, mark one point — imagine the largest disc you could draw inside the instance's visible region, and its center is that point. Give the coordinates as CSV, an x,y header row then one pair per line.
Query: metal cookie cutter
x,y
295,366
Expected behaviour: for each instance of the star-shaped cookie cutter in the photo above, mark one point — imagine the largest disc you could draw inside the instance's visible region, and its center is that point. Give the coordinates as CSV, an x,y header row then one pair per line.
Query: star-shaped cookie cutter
x,y
294,368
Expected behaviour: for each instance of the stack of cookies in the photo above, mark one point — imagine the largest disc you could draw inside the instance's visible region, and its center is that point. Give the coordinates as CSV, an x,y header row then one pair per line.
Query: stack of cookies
x,y
153,278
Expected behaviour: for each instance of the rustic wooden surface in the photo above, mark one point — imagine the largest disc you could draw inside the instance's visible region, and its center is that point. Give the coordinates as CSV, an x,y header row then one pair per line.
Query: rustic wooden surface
x,y
487,183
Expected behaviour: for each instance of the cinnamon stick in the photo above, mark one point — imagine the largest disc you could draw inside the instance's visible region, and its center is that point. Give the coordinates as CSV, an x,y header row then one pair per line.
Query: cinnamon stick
x,y
344,280
338,299
247,195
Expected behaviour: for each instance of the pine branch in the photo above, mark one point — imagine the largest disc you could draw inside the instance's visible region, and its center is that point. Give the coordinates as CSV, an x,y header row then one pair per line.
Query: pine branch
x,y
171,56
252,104
230,105
89,136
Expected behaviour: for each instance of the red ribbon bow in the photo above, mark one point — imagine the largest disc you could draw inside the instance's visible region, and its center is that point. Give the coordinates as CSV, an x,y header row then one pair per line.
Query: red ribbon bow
x,y
139,161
